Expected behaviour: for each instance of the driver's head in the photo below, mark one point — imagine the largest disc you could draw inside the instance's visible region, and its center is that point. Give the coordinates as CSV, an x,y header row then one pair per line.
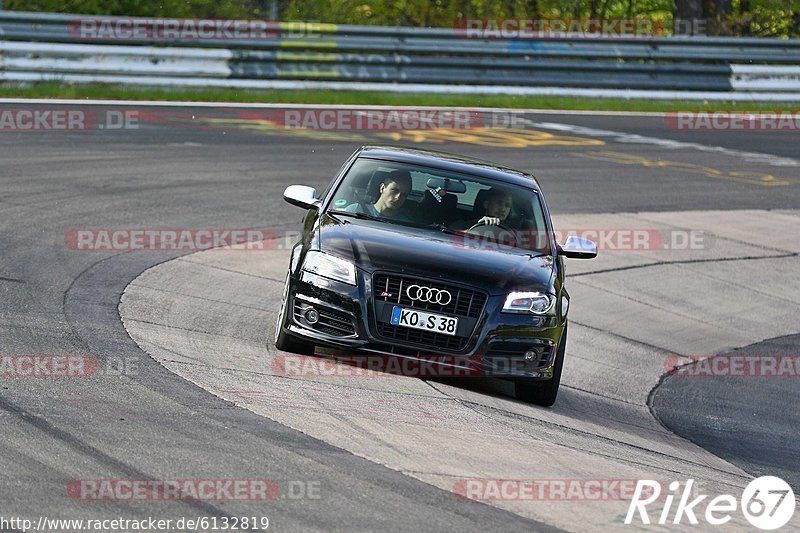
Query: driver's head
x,y
498,203
393,190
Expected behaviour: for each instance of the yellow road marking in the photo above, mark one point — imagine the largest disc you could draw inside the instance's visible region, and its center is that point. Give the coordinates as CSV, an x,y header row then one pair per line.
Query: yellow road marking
x,y
499,137
496,137
753,178
269,126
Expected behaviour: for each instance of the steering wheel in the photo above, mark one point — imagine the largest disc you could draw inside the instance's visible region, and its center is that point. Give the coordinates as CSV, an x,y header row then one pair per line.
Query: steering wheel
x,y
481,228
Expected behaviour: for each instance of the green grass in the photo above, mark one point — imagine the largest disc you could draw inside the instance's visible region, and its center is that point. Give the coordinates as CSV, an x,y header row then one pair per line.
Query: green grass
x,y
52,90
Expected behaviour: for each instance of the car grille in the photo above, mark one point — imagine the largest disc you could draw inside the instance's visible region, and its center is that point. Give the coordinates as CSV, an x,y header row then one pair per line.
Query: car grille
x,y
400,350
425,338
466,304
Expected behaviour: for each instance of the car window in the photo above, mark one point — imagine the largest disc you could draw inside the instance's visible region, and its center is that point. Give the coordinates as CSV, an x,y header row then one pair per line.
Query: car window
x,y
427,197
468,198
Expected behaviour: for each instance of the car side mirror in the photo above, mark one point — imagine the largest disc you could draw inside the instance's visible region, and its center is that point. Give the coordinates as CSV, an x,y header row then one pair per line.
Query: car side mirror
x,y
578,248
302,196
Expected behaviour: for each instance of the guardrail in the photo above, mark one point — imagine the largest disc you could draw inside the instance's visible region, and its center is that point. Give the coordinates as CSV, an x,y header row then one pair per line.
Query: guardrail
x,y
38,46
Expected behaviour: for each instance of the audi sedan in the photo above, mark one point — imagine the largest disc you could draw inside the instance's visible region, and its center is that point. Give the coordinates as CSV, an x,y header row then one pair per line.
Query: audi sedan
x,y
424,256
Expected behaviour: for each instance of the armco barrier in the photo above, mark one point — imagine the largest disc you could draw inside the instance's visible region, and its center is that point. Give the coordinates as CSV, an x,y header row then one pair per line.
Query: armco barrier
x,y
51,47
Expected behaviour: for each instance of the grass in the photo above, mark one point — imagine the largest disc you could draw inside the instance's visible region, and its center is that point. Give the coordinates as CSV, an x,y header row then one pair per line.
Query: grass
x,y
99,91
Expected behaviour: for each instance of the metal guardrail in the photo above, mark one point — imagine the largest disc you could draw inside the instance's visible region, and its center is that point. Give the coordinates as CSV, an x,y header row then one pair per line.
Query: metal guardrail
x,y
51,45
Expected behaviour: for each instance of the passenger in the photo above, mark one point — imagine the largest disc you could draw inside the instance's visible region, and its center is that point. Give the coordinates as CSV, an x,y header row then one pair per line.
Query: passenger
x,y
392,195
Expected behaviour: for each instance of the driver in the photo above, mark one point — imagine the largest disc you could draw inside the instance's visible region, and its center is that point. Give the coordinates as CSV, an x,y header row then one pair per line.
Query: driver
x,y
497,208
393,192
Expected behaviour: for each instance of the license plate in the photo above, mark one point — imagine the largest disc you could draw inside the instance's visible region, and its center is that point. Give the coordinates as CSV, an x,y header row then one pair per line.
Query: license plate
x,y
411,318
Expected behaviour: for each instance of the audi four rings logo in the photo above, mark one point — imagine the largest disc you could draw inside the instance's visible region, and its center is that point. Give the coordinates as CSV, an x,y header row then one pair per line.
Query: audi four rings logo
x,y
426,294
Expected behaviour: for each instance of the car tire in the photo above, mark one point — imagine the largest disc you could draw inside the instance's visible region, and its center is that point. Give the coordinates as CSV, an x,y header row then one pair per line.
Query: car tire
x,y
544,393
284,341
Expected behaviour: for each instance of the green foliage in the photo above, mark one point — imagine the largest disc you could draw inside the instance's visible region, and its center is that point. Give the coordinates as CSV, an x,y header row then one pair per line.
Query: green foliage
x,y
141,8
446,13
100,91
766,18
773,18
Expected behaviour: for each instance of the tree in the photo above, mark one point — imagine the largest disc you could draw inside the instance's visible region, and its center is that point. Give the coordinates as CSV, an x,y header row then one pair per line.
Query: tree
x,y
686,15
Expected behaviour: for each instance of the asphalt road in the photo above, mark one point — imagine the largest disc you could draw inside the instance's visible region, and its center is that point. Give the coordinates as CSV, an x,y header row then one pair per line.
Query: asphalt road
x,y
749,420
205,170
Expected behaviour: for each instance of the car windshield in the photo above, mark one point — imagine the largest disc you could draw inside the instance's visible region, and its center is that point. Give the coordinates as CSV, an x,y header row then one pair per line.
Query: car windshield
x,y
479,212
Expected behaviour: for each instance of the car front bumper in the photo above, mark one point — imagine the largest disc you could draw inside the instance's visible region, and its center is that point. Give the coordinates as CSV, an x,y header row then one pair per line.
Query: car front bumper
x,y
499,345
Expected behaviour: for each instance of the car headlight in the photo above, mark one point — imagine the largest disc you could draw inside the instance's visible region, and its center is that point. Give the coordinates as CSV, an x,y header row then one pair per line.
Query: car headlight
x,y
534,303
329,266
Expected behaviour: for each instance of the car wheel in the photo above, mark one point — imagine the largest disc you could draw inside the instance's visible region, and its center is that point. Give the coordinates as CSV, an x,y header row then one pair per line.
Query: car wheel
x,y
544,393
284,341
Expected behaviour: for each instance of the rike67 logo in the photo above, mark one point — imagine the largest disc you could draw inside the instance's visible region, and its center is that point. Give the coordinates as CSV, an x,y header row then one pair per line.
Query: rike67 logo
x,y
767,503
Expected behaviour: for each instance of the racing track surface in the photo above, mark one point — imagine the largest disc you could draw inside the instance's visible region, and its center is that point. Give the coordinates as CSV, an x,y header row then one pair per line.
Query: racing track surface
x,y
385,451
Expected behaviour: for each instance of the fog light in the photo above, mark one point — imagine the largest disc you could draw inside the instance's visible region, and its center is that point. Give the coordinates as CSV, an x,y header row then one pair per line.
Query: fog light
x,y
530,355
312,316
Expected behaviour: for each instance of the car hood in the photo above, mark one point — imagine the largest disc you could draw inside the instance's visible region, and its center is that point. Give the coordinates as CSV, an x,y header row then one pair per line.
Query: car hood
x,y
374,245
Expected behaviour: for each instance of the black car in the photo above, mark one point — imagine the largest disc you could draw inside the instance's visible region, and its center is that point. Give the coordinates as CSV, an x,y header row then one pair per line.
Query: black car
x,y
416,254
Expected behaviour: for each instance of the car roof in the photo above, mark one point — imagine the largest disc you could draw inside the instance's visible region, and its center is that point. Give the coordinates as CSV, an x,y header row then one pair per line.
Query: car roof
x,y
451,162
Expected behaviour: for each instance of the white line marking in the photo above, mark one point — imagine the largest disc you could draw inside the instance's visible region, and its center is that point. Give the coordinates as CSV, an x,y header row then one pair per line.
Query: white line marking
x,y
632,138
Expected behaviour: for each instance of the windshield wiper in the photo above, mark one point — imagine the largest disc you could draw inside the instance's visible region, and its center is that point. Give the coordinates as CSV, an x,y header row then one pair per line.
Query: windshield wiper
x,y
388,220
444,229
